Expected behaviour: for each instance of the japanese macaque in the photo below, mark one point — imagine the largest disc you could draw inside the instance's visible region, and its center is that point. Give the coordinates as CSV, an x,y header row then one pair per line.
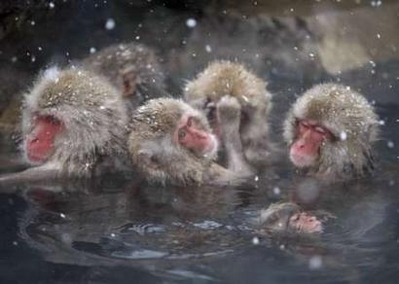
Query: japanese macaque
x,y
288,218
237,106
171,142
330,131
132,68
72,120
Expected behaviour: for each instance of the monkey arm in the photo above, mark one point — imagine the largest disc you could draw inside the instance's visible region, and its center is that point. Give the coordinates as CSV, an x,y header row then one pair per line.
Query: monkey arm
x,y
36,174
229,116
255,136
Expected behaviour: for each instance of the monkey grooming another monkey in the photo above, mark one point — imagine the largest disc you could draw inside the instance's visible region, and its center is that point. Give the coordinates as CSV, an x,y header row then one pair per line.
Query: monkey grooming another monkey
x,y
171,142
237,106
132,68
330,131
71,121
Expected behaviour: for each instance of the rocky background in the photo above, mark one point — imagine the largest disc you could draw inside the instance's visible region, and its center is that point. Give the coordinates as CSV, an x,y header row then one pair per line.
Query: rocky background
x,y
291,44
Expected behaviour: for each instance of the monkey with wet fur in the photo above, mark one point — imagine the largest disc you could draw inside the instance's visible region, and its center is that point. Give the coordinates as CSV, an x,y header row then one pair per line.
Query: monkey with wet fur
x,y
237,106
72,120
330,131
171,142
132,68
289,218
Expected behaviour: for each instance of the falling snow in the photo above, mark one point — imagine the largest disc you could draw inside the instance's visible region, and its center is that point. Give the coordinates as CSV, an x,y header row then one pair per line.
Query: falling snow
x,y
343,136
255,240
376,3
191,23
315,262
110,24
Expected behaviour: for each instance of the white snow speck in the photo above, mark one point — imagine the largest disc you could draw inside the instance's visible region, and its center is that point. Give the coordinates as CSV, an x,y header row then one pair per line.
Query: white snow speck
x,y
376,3
32,23
255,240
15,243
92,50
52,74
51,5
381,122
256,178
208,48
390,144
110,24
62,215
39,48
315,262
276,191
343,136
191,23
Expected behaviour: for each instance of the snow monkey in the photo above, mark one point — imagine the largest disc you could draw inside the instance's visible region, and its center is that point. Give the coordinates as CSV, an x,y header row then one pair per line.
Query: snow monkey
x,y
288,218
132,68
71,121
229,85
171,142
330,131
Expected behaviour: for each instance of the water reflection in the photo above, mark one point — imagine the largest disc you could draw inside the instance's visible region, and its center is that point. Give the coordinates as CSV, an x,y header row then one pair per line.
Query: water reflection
x,y
191,233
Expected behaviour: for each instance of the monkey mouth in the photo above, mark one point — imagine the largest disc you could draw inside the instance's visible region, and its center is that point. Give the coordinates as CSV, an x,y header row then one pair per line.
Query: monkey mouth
x,y
301,161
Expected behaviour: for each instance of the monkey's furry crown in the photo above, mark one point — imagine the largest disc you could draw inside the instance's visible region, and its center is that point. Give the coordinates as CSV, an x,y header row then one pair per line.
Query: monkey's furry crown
x,y
222,78
346,113
161,115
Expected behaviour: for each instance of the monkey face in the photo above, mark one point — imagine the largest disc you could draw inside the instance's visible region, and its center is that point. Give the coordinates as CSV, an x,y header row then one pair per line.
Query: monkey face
x,y
40,141
192,135
303,222
305,150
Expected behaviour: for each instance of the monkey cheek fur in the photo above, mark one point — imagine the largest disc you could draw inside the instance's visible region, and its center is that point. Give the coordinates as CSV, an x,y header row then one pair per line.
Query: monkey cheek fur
x,y
301,160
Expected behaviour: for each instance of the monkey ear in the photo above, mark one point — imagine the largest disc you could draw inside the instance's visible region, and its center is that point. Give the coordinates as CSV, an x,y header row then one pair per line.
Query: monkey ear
x,y
129,82
148,159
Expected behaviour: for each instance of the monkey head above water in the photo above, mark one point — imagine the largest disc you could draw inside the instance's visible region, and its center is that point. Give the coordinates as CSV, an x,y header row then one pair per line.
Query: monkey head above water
x,y
330,131
288,218
132,68
72,119
224,82
171,142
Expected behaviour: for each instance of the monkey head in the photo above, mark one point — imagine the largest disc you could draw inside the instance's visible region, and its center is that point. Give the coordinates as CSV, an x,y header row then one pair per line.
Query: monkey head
x,y
71,117
330,130
288,218
223,78
171,142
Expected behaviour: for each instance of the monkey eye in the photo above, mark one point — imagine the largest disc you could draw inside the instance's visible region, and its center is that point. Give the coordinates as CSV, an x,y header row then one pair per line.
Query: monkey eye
x,y
181,134
295,218
52,120
320,130
190,122
304,124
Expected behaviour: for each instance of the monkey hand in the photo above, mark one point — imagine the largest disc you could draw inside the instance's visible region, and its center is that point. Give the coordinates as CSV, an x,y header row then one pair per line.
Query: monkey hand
x,y
228,110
